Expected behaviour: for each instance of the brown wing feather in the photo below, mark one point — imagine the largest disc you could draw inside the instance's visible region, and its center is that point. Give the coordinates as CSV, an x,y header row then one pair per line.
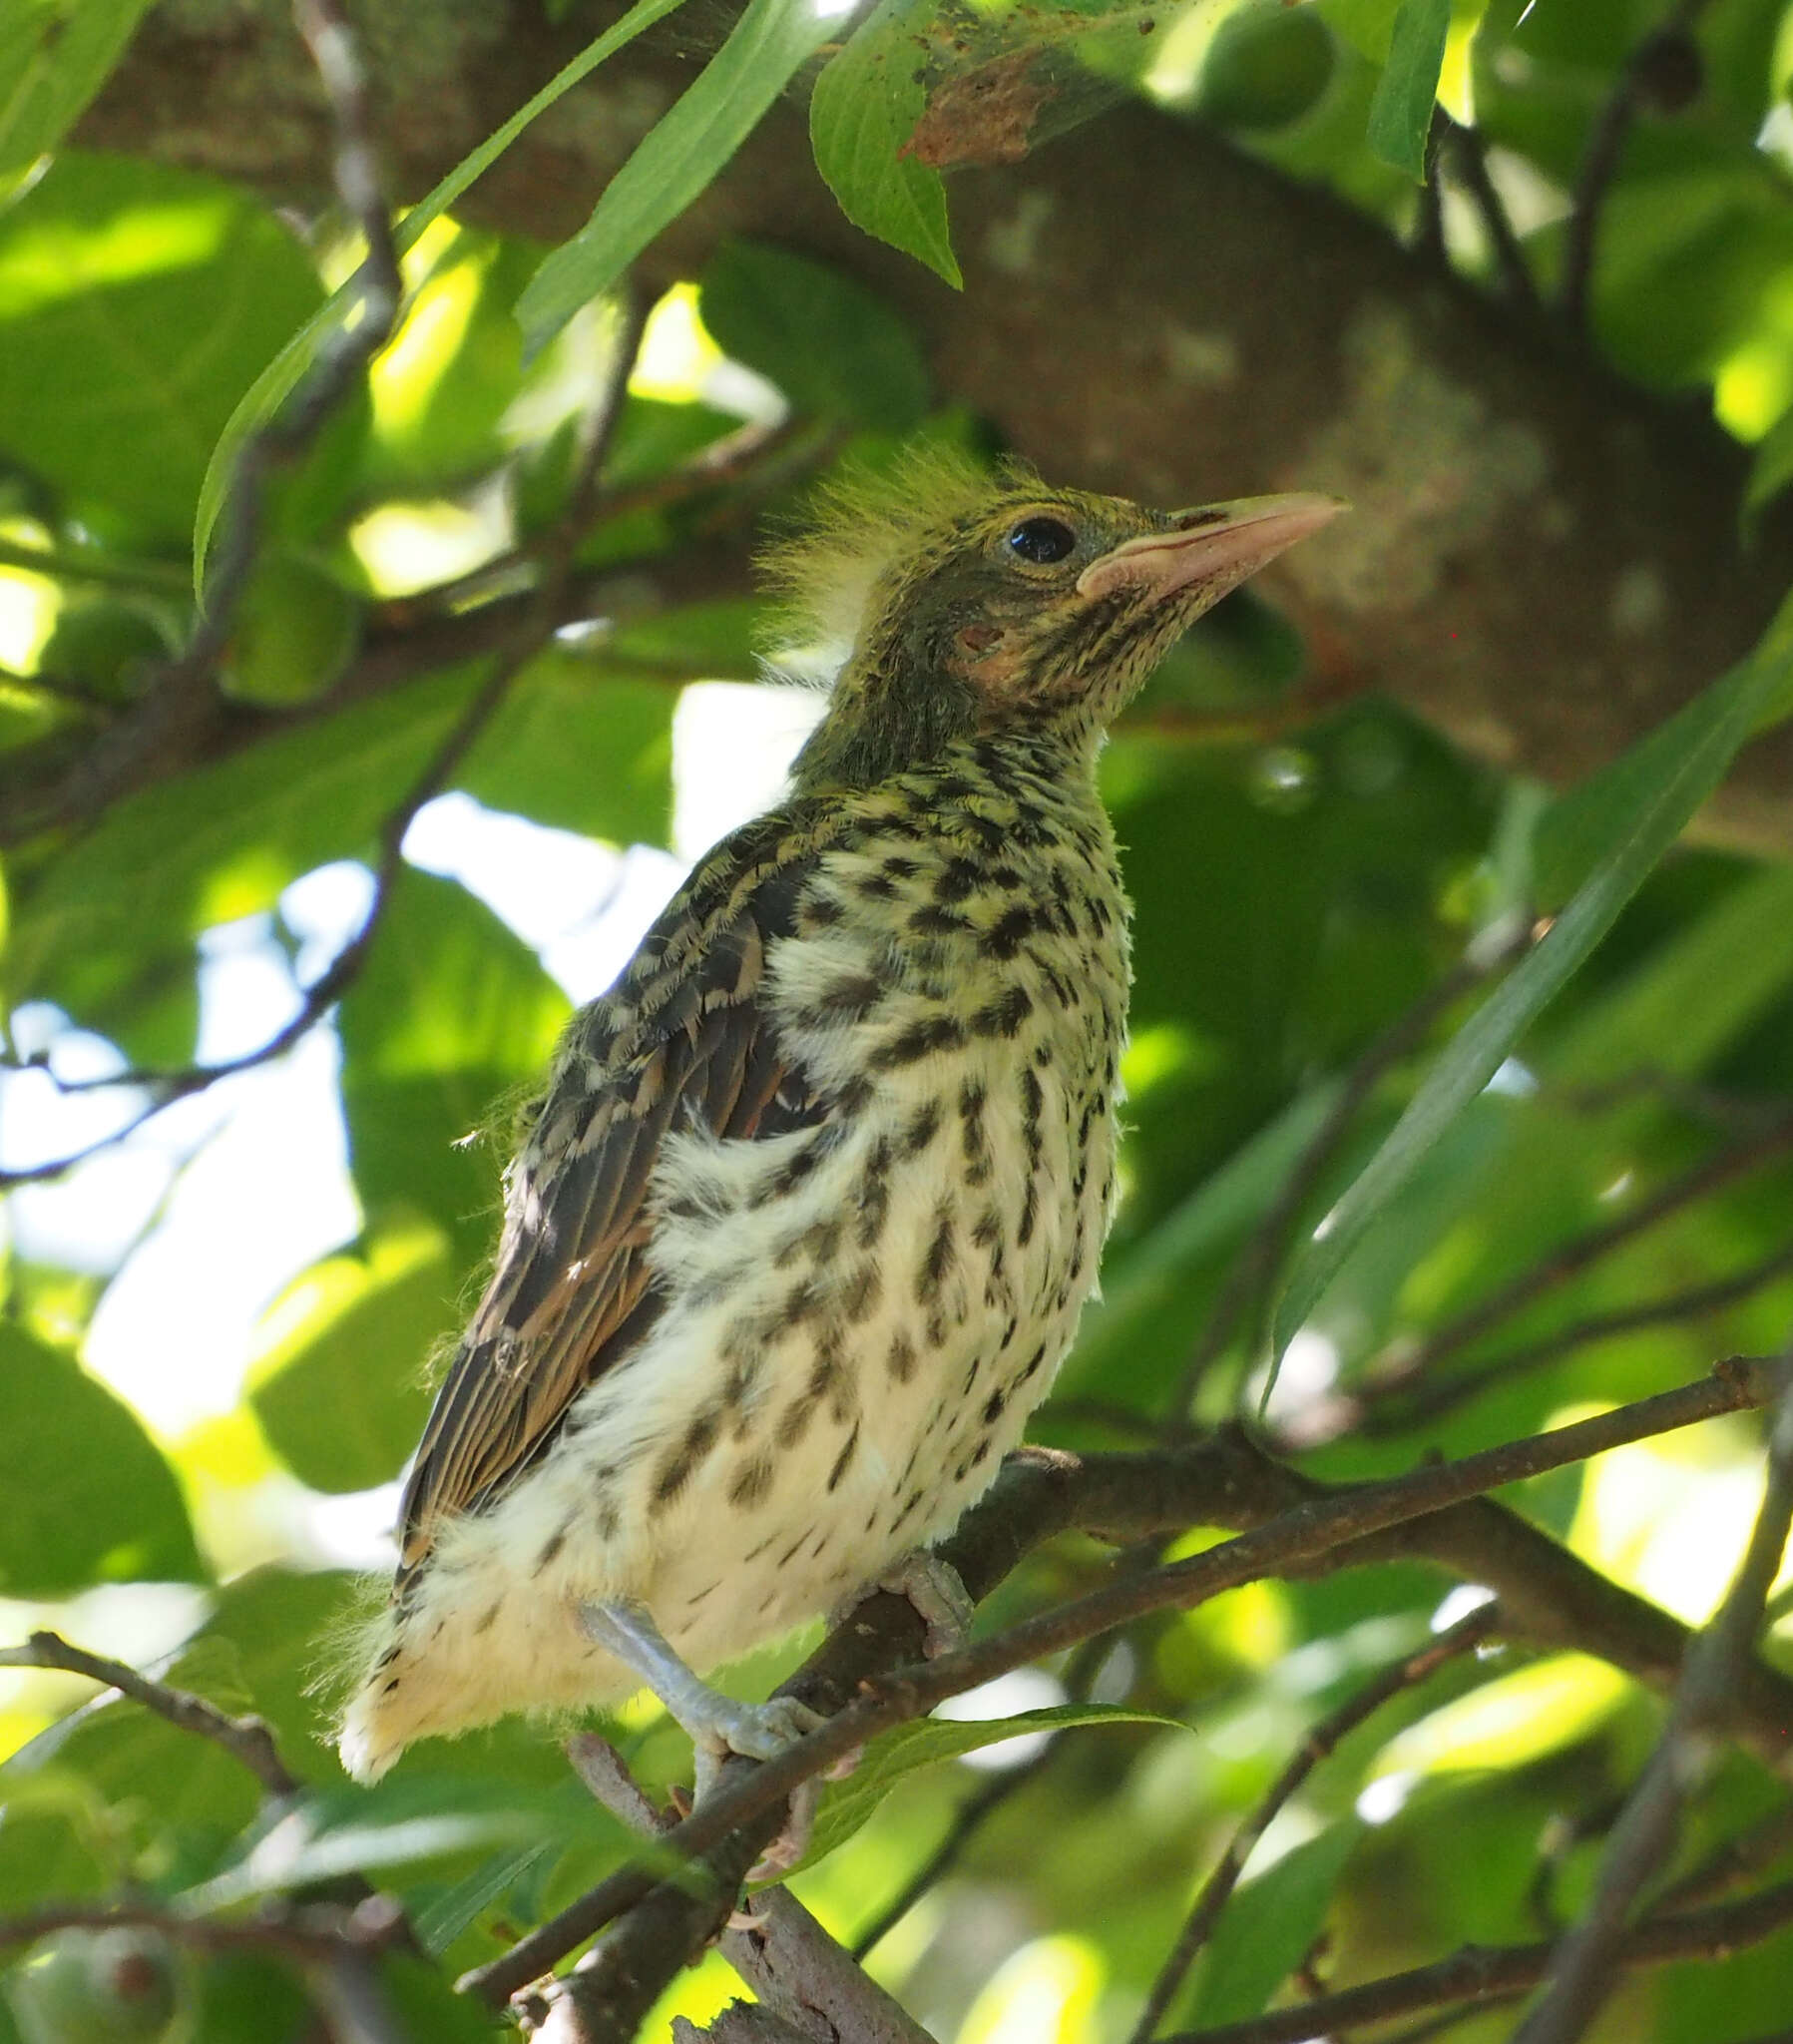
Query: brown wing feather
x,y
686,1037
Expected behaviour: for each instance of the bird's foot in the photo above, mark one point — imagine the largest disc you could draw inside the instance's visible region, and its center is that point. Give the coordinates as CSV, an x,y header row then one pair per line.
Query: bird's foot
x,y
718,1726
932,1586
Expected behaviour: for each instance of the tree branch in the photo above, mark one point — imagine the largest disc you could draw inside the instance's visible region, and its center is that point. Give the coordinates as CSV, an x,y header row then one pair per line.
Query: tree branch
x,y
1665,52
247,1740
1121,1497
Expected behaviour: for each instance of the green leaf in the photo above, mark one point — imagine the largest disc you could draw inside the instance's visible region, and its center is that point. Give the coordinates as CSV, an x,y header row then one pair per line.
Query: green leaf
x,y
833,347
1615,827
1400,112
122,1754
293,635
217,843
301,1854
579,746
283,373
1693,996
889,1761
168,290
55,57
1218,1212
863,110
336,1382
679,157
89,1498
449,1014
1268,1926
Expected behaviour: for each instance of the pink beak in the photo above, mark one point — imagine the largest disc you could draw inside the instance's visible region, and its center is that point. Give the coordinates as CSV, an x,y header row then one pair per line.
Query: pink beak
x,y
1216,547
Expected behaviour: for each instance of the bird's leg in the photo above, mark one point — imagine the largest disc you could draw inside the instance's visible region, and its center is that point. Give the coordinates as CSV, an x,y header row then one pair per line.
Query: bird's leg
x,y
717,1725
932,1586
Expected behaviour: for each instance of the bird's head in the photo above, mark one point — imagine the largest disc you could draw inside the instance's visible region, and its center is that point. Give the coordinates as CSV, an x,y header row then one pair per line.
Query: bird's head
x,y
951,602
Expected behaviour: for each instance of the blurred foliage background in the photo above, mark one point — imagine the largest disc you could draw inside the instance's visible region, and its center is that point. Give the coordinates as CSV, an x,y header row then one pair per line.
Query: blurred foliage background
x,y
217,1316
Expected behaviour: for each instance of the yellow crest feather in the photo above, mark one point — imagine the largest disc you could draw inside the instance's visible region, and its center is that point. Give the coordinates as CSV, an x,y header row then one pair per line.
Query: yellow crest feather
x,y
821,576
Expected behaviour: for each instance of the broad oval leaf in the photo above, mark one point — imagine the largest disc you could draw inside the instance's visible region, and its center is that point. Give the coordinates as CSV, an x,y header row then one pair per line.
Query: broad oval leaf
x,y
89,1498
337,1382
833,347
863,110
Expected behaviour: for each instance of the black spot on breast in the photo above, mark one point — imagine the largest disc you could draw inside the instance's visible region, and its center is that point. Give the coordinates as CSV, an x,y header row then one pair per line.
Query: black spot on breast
x,y
752,1480
860,1293
933,920
993,1407
900,1363
677,1470
1004,1015
874,1193
958,879
849,998
551,1547
919,1040
923,1126
1030,1214
1006,935
938,1260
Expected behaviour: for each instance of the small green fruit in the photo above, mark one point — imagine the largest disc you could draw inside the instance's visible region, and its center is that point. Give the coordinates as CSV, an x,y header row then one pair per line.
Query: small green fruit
x,y
96,1987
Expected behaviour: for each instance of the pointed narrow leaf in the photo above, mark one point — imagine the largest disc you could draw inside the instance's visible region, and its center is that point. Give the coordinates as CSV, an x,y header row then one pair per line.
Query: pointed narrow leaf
x,y
54,59
925,1743
678,158
1620,824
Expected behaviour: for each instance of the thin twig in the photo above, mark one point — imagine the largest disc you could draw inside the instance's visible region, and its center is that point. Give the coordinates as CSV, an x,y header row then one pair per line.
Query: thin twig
x,y
1599,161
1479,1974
247,1740
1248,1281
1322,1740
1759,1846
1446,1393
1587,1961
1296,1538
1406,1361
1428,242
309,1933
1469,162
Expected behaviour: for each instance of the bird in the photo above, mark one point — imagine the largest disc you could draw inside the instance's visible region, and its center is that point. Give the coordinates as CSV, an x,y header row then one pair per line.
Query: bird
x,y
805,1214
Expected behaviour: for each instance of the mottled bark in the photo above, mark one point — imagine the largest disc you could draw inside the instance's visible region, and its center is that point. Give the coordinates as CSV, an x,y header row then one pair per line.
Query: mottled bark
x,y
1541,562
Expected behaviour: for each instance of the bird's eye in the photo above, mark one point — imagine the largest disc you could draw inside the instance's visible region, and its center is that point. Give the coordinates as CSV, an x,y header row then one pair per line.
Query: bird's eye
x,y
1042,540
